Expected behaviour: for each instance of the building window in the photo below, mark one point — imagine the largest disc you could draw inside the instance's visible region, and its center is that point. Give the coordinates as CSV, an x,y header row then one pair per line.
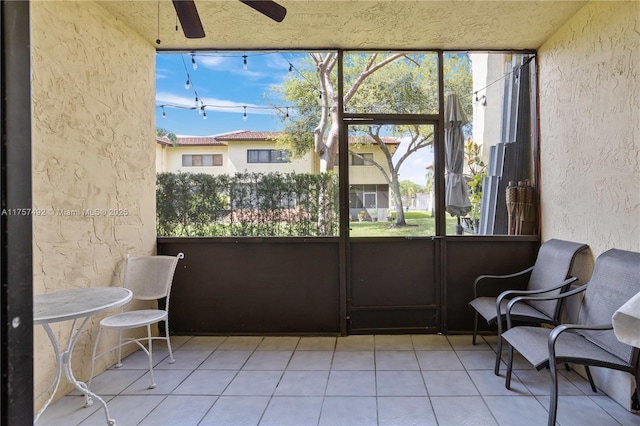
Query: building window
x,y
267,156
363,196
362,159
189,160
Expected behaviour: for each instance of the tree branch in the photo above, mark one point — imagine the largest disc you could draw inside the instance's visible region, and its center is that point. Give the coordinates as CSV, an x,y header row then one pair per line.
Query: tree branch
x,y
370,69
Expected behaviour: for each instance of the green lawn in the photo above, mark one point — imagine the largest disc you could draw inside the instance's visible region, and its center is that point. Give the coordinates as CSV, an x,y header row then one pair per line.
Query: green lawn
x,y
420,224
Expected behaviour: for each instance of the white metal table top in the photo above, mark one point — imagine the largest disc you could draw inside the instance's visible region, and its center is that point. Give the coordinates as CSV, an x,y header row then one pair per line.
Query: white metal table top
x,y
66,305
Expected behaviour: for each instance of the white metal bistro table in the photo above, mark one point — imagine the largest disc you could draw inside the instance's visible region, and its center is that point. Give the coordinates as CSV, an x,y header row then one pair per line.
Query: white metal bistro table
x,y
78,305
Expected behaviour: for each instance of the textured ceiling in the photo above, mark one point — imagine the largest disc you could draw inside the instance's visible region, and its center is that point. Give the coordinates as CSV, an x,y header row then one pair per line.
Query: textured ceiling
x,y
354,24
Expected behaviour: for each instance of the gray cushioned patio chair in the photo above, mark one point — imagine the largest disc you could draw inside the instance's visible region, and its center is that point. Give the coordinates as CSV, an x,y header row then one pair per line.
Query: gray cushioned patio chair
x,y
591,341
549,275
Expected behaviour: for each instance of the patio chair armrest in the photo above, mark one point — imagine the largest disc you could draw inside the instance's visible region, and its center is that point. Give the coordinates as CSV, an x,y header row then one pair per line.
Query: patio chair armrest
x,y
552,297
508,293
497,277
557,331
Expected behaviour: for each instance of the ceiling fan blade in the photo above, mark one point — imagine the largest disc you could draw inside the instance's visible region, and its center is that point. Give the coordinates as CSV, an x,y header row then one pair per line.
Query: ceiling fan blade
x,y
189,18
268,8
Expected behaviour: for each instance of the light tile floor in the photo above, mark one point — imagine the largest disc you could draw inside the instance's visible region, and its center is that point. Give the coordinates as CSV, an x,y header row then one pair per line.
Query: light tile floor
x,y
398,380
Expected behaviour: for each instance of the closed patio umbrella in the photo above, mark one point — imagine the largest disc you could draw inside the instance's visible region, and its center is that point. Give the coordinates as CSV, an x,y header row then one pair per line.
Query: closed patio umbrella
x,y
457,201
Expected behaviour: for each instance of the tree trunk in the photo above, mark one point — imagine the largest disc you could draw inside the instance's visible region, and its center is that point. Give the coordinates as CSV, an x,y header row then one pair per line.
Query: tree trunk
x,y
397,197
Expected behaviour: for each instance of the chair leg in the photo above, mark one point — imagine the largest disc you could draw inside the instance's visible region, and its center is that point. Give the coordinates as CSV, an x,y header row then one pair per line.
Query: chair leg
x,y
166,333
507,381
87,399
119,364
150,355
553,398
496,369
593,385
475,327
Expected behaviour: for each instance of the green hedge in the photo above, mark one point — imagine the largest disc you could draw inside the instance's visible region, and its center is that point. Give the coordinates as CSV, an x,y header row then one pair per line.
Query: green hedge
x,y
247,204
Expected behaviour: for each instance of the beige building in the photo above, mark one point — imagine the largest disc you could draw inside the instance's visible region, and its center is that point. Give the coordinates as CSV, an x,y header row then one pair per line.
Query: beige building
x,y
257,152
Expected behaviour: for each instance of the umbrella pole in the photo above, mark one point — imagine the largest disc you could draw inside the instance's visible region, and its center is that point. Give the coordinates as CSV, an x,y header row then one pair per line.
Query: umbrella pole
x,y
458,227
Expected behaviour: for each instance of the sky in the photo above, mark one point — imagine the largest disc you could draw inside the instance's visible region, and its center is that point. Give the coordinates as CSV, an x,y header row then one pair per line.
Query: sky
x,y
224,86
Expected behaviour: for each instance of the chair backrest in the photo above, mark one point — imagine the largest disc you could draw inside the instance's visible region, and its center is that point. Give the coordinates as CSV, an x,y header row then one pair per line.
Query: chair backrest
x,y
150,277
553,265
615,280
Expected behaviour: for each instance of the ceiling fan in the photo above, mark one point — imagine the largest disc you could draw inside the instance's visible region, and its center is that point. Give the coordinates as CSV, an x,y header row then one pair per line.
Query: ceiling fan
x,y
192,26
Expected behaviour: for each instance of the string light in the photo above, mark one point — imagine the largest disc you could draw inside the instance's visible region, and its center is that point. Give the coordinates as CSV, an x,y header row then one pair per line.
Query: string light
x,y
515,70
200,105
228,108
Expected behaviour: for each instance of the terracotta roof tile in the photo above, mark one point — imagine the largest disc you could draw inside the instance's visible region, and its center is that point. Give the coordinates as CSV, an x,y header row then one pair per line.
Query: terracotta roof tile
x,y
163,140
200,141
248,135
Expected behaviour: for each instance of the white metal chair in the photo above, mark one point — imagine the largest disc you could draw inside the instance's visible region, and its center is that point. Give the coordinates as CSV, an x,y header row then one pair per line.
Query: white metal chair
x,y
150,278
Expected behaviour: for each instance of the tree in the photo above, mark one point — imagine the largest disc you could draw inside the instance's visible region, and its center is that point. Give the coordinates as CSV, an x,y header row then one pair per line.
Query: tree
x,y
409,190
160,132
398,83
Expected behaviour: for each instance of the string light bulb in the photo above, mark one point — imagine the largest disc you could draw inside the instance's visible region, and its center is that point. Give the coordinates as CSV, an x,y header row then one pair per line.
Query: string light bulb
x,y
290,67
286,117
164,114
244,115
187,84
193,61
244,62
204,113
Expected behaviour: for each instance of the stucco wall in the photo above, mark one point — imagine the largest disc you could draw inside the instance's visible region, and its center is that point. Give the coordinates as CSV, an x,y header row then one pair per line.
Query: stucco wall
x,y
589,132
93,148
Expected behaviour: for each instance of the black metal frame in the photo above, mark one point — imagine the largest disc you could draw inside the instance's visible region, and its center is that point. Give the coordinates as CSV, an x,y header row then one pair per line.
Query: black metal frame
x,y
15,222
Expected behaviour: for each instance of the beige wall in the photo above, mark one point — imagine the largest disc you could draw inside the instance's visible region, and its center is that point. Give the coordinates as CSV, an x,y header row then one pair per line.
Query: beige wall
x,y
238,160
590,136
93,142
363,175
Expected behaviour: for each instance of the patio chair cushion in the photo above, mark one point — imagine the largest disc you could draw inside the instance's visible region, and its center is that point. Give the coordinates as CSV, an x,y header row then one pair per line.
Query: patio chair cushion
x,y
486,306
531,342
553,265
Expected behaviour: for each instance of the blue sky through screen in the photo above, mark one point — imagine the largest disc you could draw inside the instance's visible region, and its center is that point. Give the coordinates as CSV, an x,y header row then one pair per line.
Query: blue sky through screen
x,y
225,88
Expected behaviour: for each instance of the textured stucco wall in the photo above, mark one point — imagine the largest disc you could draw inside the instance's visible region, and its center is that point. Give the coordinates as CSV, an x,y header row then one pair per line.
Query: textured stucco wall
x,y
590,128
590,136
93,142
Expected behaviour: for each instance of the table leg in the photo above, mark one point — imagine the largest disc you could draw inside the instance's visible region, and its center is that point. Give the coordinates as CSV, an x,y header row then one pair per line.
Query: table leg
x,y
63,360
58,375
